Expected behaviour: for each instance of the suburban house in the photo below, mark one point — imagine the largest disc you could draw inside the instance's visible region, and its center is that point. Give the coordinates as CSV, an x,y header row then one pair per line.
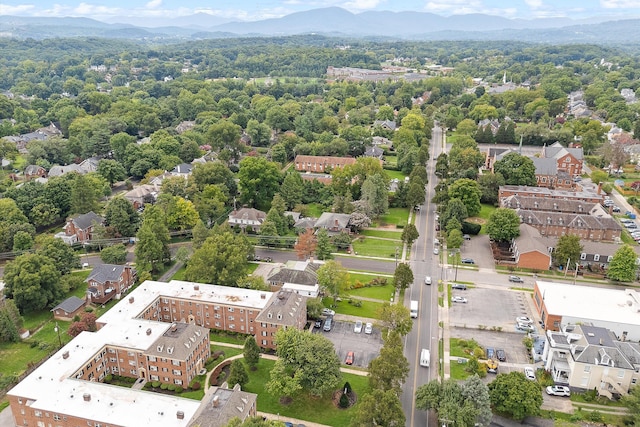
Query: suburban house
x,y
377,141
41,134
560,305
585,226
184,126
334,223
145,193
183,170
321,164
568,160
586,357
79,229
530,251
376,152
108,281
542,192
84,167
68,308
247,218
300,277
33,172
385,124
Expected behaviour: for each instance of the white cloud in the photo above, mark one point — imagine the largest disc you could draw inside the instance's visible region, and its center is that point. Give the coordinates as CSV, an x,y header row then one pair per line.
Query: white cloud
x,y
16,10
454,6
154,4
534,4
86,9
620,4
357,5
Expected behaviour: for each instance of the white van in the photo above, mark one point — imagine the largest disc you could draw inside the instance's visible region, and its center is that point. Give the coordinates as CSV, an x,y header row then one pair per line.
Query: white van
x,y
414,309
427,280
425,356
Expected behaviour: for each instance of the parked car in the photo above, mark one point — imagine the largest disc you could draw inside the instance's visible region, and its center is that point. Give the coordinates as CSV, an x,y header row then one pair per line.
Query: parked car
x,y
490,352
558,390
328,312
358,327
530,373
523,319
436,251
615,208
466,237
349,359
459,286
327,324
524,327
501,355
318,323
516,279
427,280
492,366
462,300
467,261
368,328
257,258
288,424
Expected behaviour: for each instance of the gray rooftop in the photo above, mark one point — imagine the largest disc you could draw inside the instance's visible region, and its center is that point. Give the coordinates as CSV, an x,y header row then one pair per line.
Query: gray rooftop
x,y
176,342
282,308
103,273
70,305
85,221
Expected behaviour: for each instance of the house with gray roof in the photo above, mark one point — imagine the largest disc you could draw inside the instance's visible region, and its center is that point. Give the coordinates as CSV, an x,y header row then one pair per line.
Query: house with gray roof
x,y
530,250
568,159
33,172
586,357
585,226
108,281
183,170
297,276
334,223
247,218
385,124
79,229
376,152
68,308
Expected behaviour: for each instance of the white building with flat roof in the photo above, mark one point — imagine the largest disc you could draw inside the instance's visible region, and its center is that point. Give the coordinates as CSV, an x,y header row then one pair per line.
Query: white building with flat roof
x,y
560,305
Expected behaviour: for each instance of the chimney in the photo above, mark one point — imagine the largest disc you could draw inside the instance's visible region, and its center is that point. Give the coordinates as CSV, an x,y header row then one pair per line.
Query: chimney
x,y
86,397
149,331
174,327
65,355
263,296
196,287
180,415
216,401
600,187
131,299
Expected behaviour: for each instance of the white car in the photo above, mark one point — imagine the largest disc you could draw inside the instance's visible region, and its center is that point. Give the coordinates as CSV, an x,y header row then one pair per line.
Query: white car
x,y
328,312
368,328
436,251
530,373
527,327
358,327
459,299
558,390
525,320
427,280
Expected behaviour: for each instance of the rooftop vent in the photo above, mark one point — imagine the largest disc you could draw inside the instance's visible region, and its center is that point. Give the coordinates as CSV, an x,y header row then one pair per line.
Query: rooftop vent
x,y
131,299
65,355
196,287
263,296
149,331
180,415
86,397
216,401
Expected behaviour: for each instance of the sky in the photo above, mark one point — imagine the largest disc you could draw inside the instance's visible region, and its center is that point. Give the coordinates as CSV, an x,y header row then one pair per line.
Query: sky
x,y
251,10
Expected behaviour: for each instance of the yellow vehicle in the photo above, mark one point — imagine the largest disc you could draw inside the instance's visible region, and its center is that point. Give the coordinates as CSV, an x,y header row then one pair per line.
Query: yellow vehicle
x,y
492,366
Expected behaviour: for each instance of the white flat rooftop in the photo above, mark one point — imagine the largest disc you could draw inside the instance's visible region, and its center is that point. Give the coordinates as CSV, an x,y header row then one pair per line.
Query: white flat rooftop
x,y
588,302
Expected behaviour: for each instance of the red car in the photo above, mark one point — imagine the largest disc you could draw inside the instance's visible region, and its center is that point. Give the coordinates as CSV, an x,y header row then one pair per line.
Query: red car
x,y
349,359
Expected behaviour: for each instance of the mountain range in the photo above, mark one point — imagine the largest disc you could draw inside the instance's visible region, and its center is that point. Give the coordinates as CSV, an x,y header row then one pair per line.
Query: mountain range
x,y
333,21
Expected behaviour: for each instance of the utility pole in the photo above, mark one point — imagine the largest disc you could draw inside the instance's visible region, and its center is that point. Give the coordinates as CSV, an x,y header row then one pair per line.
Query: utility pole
x,y
57,329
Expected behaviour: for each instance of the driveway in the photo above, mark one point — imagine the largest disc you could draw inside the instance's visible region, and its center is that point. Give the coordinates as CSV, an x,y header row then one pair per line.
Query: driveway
x,y
479,249
366,347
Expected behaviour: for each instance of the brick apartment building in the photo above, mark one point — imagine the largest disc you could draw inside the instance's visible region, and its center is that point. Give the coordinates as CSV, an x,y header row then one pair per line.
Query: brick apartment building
x,y
547,193
585,226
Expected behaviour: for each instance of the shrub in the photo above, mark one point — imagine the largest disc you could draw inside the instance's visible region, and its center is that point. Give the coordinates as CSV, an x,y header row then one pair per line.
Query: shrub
x,y
179,389
196,386
171,387
155,384
470,228
347,387
108,378
344,400
594,416
163,386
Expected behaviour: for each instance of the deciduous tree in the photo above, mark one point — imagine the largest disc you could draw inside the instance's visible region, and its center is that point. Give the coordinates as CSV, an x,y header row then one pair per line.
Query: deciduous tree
x,y
503,225
251,352
468,191
409,234
324,247
33,281
238,374
63,256
306,244
152,247
395,318
568,249
516,169
333,279
379,408
116,254
389,370
623,266
259,181
515,395
403,276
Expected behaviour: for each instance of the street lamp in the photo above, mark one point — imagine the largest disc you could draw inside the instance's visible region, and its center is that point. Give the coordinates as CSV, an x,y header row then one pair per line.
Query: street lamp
x,y
57,329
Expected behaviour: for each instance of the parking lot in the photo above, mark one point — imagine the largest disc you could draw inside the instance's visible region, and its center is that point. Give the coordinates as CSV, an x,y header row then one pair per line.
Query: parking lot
x,y
488,309
366,347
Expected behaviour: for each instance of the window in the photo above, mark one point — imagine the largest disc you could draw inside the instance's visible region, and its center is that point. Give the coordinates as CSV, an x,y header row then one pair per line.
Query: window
x,y
609,258
177,372
37,413
583,256
596,257
264,342
620,373
587,368
152,358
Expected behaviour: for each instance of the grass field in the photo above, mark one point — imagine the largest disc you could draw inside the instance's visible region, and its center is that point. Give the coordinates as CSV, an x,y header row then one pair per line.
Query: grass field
x,y
395,216
368,309
320,410
370,246
376,292
482,218
387,234
399,175
315,210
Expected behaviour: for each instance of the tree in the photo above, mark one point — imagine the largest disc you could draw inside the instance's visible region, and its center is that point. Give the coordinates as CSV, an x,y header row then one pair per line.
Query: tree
x,y
359,220
292,189
516,169
63,256
416,195
515,395
489,186
84,197
409,234
324,247
389,370
454,239
111,170
623,266
33,281
632,402
375,194
306,244
259,180
121,217
299,365
238,374
116,254
503,225
442,166
403,276
568,248
10,322
396,318
22,241
152,247
477,392
455,209
251,353
333,279
210,204
200,233
468,191
221,260
379,409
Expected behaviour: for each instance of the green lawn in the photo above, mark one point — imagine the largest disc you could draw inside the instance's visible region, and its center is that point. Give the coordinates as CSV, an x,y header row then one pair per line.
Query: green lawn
x,y
219,336
387,234
392,160
399,175
368,309
461,348
320,410
315,210
395,216
180,273
382,293
370,246
457,371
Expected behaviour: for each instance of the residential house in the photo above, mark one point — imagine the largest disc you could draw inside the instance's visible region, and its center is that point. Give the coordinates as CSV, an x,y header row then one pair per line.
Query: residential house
x,y
79,229
108,281
247,218
303,224
494,125
568,160
377,141
68,308
300,277
586,357
530,251
183,170
84,167
321,164
375,152
185,126
284,309
33,172
385,124
41,134
145,193
334,223
493,154
542,192
585,226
